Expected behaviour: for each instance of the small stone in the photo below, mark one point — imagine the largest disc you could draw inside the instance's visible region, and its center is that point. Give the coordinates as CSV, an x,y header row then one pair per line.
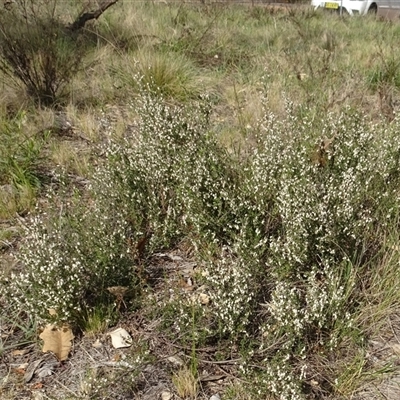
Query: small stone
x,y
166,395
97,344
175,360
215,397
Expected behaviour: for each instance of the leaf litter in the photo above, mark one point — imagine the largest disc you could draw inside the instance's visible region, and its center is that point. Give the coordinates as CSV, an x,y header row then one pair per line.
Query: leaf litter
x,y
57,340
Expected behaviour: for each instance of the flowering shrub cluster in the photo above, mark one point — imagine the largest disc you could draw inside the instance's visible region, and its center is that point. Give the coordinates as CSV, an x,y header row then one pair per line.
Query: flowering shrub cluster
x,y
165,171
72,255
313,198
68,258
330,189
283,230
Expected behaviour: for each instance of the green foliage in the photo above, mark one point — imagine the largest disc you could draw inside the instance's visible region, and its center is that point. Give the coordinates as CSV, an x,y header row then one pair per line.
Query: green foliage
x,y
384,79
387,72
68,268
328,214
387,76
21,159
20,165
26,327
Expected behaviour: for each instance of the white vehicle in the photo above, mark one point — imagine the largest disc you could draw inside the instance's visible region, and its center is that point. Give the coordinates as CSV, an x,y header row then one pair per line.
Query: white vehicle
x,y
361,7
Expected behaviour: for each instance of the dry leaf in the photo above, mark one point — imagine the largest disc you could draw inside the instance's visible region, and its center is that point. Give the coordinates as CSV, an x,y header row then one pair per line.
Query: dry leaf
x,y
120,338
186,284
21,369
57,340
301,76
44,371
38,385
212,378
175,360
31,370
118,291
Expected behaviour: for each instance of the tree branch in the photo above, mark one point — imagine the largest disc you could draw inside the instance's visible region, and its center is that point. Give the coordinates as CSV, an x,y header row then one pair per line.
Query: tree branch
x,y
84,17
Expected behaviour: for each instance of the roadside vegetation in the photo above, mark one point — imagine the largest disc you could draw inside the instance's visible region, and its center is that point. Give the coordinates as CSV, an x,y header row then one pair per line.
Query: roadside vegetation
x,y
222,181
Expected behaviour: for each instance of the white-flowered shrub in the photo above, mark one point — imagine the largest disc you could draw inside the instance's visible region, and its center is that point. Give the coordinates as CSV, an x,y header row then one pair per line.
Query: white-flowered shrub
x,y
69,256
89,243
284,230
330,191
